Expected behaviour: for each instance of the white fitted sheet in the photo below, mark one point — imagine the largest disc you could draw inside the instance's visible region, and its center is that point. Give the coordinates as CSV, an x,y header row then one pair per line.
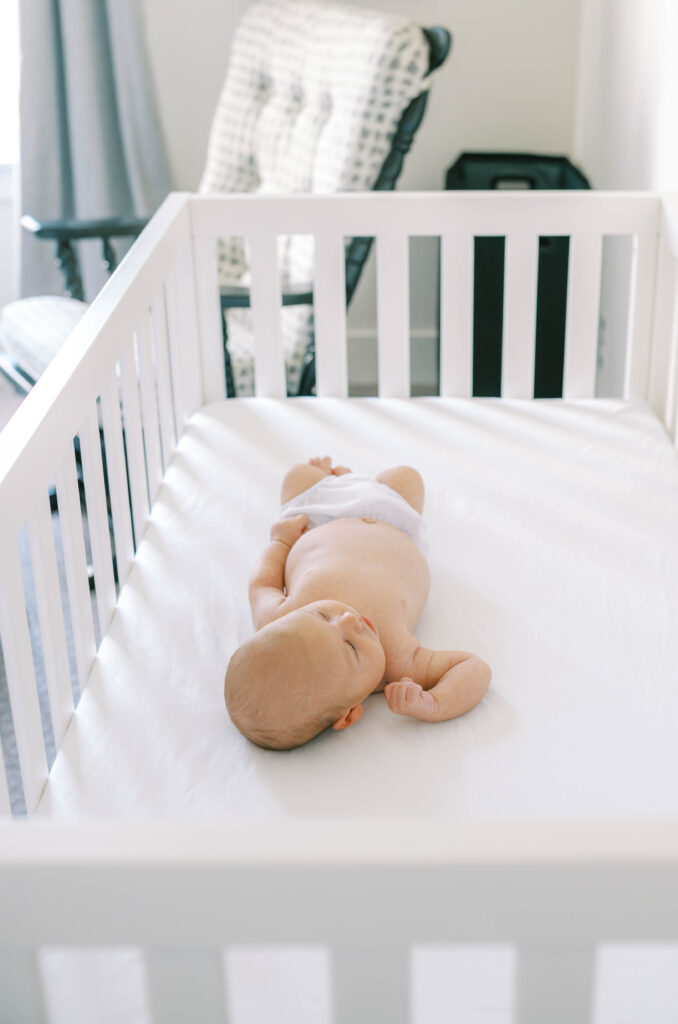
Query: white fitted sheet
x,y
554,555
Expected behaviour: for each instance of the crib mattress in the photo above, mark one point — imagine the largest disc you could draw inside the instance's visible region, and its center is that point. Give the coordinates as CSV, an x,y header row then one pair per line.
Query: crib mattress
x,y
554,556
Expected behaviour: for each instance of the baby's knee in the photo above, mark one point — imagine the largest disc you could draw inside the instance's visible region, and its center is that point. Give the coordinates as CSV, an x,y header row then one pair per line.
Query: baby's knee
x,y
298,479
407,481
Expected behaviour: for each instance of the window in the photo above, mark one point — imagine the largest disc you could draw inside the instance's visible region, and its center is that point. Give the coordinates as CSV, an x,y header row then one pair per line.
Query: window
x,y
9,82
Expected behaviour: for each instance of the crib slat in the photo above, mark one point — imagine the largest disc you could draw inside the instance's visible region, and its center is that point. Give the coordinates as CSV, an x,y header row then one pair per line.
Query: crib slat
x,y
97,519
671,412
117,477
520,316
5,803
162,376
134,444
210,319
75,562
188,331
269,366
51,618
329,317
178,374
186,985
555,985
149,409
456,315
21,998
583,305
21,683
393,314
637,368
371,983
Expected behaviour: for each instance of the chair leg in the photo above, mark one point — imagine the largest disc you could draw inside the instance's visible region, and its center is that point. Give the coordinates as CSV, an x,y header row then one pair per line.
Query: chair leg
x,y
230,383
21,381
307,380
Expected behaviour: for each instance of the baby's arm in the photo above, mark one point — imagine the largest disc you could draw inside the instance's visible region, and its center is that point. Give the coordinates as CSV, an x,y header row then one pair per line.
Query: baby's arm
x,y
266,589
449,683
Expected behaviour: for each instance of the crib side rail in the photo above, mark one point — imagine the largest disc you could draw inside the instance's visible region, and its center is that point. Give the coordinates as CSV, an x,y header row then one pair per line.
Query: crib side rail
x,y
369,891
524,220
97,431
33,441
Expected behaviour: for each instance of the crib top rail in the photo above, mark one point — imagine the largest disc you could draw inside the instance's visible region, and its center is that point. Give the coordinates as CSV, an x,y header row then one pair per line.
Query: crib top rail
x,y
430,213
108,882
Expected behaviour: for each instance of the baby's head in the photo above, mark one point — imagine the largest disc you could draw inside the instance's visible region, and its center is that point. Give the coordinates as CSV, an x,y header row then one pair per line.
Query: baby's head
x,y
302,673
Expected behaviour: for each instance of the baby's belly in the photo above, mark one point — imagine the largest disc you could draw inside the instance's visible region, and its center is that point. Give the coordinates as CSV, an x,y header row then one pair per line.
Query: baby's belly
x,y
370,565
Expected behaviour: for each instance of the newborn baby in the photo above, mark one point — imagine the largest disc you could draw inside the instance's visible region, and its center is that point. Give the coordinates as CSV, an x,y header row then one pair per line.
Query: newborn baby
x,y
335,598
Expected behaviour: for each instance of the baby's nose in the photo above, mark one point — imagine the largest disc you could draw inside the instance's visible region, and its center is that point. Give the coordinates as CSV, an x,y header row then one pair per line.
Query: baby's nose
x,y
352,621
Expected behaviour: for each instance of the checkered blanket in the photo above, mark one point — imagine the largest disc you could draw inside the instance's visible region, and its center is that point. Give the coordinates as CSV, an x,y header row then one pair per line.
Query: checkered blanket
x,y
311,102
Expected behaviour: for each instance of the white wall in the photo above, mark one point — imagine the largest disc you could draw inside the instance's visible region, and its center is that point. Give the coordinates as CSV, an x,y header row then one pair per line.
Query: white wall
x,y
625,130
509,84
628,93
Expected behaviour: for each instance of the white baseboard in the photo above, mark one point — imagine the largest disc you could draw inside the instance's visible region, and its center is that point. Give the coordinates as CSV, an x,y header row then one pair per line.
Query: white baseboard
x,y
362,358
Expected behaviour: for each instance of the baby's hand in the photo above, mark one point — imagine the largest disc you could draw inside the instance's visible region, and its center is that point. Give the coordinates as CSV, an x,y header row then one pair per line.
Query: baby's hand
x,y
289,530
326,465
406,697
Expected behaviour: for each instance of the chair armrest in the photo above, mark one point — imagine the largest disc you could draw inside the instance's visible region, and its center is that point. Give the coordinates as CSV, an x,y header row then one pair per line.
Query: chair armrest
x,y
104,227
236,296
65,231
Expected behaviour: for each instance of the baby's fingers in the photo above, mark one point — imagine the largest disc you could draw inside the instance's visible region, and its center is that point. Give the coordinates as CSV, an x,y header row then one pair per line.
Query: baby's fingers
x,y
401,694
289,530
300,523
405,697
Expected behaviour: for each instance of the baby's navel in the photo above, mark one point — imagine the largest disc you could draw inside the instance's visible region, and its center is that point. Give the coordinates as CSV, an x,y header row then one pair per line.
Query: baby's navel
x,y
368,519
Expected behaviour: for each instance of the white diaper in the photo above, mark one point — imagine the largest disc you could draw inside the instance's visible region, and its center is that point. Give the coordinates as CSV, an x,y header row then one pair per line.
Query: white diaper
x,y
355,496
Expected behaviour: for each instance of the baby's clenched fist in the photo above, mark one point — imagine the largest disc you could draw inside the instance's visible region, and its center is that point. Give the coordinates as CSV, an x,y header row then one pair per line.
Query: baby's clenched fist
x,y
405,697
289,530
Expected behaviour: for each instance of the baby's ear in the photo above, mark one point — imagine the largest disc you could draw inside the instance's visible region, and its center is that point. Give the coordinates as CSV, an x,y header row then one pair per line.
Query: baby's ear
x,y
351,716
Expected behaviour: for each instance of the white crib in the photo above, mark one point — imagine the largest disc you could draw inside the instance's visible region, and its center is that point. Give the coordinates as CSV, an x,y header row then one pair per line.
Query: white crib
x,y
148,355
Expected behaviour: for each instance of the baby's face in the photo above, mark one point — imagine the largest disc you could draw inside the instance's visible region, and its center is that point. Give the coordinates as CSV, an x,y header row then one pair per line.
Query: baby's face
x,y
344,647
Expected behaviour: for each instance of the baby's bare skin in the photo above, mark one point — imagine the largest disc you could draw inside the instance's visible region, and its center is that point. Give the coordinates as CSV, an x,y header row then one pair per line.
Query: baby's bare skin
x,y
390,589
361,584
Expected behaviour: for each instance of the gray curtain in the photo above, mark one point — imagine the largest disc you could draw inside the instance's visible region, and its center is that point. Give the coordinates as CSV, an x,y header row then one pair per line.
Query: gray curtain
x,y
91,143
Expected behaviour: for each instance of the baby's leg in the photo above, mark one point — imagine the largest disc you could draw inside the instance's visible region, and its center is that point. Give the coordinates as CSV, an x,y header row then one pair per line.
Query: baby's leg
x,y
298,479
407,482
302,476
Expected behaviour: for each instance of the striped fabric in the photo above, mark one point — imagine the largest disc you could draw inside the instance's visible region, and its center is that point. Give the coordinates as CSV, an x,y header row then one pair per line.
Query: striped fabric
x,y
33,330
311,102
